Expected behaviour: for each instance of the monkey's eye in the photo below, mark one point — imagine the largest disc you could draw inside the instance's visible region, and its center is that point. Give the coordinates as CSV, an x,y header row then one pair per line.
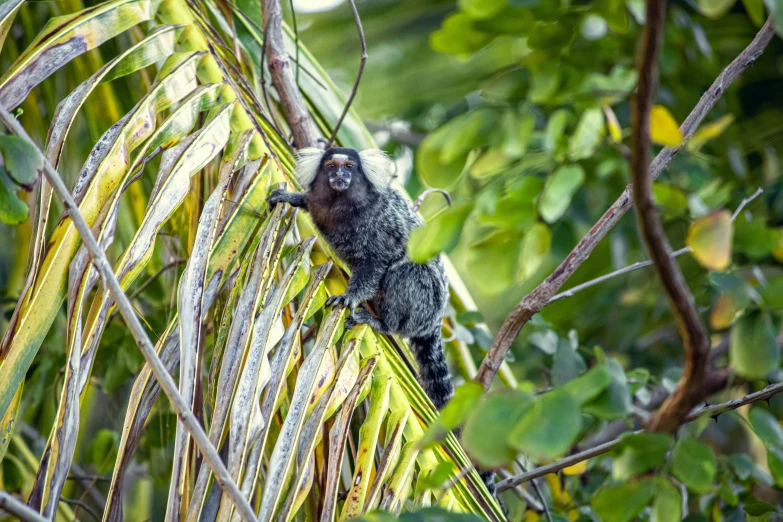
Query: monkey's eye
x,y
348,166
331,166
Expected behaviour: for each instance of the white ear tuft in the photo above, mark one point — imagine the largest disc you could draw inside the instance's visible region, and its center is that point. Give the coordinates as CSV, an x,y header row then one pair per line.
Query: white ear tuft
x,y
377,166
307,162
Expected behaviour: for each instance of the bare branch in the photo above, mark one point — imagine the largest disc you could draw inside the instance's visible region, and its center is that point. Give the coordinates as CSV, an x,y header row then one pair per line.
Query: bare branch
x,y
296,113
137,330
363,43
643,264
540,296
16,507
695,338
576,458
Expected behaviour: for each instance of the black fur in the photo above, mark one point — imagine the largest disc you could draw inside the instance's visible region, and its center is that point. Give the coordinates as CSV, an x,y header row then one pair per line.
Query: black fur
x,y
368,225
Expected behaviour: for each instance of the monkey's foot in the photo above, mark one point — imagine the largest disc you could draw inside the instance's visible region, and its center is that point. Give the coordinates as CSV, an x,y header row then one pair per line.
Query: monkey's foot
x,y
345,300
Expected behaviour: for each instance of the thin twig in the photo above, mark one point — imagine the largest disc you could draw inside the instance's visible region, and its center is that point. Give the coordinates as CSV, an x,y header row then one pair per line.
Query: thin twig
x,y
537,489
80,505
299,120
133,323
363,42
643,264
18,508
538,298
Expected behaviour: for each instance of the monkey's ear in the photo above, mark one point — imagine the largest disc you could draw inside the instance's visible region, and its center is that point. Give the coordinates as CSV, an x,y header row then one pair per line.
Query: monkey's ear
x,y
377,166
307,162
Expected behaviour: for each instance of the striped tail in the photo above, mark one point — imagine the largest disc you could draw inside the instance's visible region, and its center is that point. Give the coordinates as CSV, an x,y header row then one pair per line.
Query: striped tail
x,y
433,370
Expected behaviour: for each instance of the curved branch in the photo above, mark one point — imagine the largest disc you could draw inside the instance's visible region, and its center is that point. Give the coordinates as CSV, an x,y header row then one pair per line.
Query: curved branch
x,y
695,338
540,296
348,103
296,113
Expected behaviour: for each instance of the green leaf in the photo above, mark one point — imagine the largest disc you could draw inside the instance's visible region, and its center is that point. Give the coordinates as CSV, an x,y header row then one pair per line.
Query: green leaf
x,y
615,401
766,427
481,9
484,435
775,465
458,36
587,387
753,350
667,506
439,234
587,135
694,464
558,191
545,341
490,163
755,9
500,249
442,472
22,160
567,365
465,399
714,8
103,450
535,247
466,132
670,197
710,239
555,128
432,169
639,453
12,209
549,427
623,502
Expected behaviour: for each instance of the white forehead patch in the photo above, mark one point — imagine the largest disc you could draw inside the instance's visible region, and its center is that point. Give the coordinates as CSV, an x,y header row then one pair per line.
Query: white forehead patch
x,y
377,166
307,162
339,157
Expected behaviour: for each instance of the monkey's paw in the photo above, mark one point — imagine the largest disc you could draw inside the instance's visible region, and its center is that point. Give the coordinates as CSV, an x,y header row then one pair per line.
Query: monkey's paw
x,y
277,196
345,300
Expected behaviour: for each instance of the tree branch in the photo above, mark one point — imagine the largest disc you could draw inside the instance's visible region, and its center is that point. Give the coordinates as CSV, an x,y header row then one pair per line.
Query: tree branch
x,y
283,80
576,458
540,296
642,264
695,339
163,377
348,103
18,508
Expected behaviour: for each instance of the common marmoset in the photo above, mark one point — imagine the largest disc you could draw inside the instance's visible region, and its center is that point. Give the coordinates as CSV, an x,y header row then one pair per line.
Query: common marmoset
x,y
368,223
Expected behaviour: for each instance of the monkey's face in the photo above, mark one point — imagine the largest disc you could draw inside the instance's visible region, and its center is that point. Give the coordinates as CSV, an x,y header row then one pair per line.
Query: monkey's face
x,y
340,168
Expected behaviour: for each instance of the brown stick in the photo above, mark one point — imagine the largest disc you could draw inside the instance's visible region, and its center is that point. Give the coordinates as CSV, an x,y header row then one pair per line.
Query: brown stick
x,y
538,298
576,458
296,113
695,338
348,103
